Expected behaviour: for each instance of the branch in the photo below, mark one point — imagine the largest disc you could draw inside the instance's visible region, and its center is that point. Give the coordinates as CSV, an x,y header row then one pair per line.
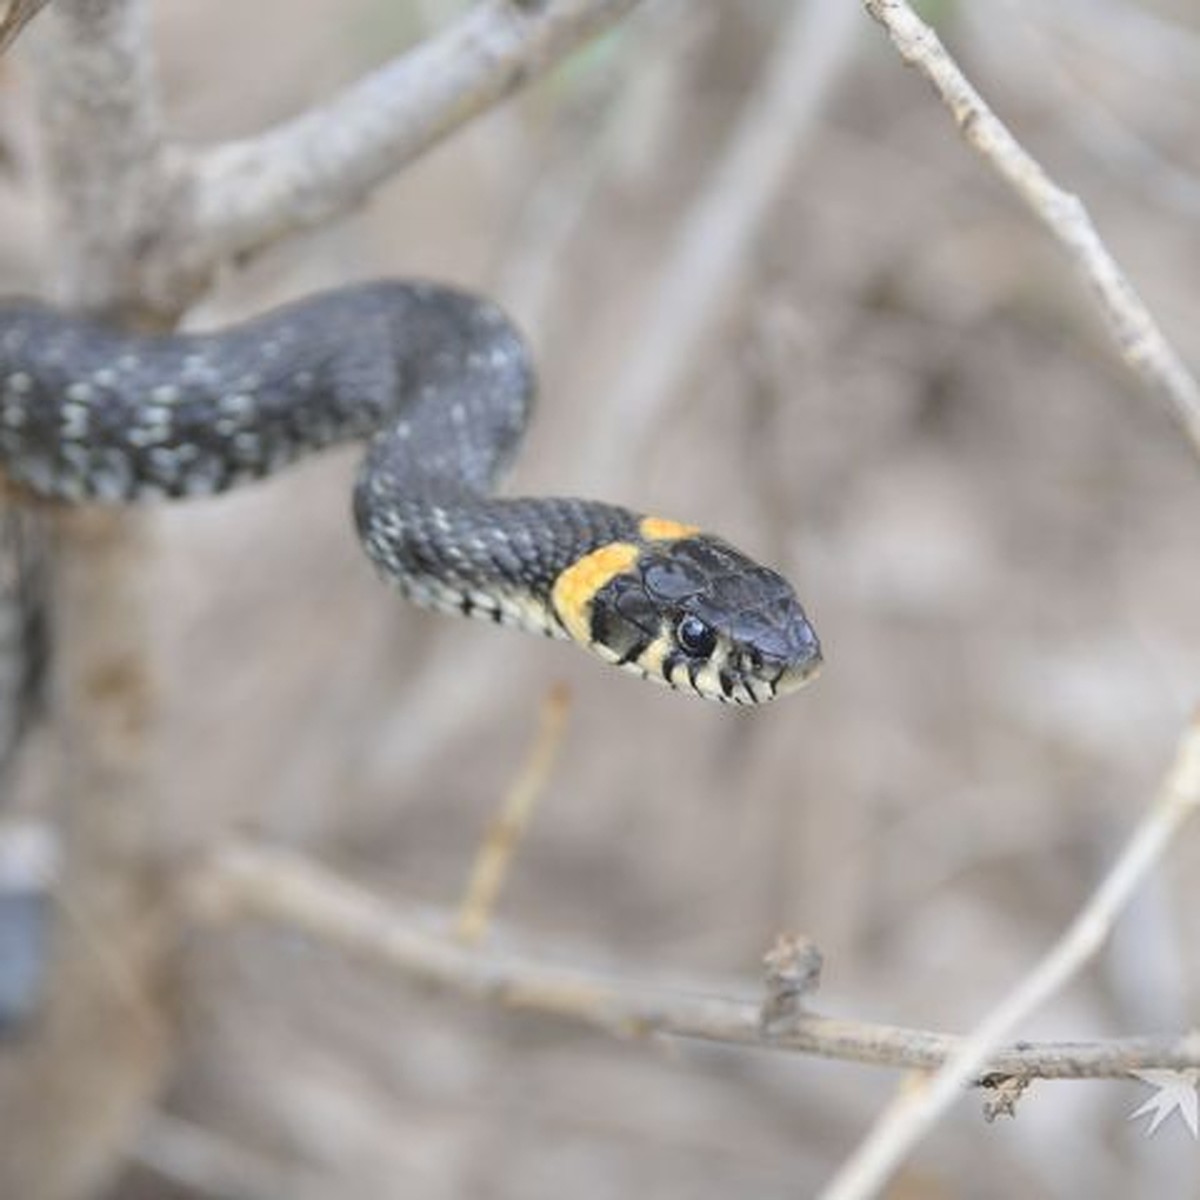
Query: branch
x,y
16,15
75,1087
915,1109
1140,342
494,859
246,882
240,197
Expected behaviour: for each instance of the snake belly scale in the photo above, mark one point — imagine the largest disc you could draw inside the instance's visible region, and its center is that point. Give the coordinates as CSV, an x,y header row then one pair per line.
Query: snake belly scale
x,y
440,385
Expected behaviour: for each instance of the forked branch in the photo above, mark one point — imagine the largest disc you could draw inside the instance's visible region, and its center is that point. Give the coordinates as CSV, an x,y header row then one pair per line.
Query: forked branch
x,y
238,197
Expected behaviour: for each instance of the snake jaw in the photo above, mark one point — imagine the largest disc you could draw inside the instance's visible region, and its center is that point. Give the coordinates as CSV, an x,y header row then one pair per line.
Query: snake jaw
x,y
794,675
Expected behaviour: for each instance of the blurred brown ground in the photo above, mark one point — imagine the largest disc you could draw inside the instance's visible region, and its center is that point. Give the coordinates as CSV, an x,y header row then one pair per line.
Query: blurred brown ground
x,y
911,410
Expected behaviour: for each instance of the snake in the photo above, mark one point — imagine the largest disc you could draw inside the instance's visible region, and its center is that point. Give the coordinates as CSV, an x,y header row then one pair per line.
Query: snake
x,y
439,384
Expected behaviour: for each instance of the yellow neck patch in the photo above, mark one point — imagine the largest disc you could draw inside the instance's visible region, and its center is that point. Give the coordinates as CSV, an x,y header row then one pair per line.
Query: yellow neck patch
x,y
657,529
577,585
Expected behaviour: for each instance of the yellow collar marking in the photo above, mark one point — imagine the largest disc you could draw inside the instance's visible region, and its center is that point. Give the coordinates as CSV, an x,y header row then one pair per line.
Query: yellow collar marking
x,y
577,585
657,529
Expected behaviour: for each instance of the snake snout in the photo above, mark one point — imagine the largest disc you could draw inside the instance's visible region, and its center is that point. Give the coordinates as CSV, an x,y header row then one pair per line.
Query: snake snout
x,y
804,663
784,652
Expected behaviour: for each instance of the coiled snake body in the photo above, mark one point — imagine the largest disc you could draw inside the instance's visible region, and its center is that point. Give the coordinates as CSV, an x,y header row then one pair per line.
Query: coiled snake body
x,y
440,384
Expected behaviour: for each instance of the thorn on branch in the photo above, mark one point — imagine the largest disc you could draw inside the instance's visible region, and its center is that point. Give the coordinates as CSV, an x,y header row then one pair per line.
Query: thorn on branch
x,y
793,972
1005,1091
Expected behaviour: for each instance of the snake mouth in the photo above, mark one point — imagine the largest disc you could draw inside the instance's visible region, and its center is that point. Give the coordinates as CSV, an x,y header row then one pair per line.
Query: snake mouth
x,y
777,675
760,690
796,674
766,681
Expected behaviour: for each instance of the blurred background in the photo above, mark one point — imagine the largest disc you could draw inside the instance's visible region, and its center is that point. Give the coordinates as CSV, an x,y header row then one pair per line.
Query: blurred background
x,y
897,392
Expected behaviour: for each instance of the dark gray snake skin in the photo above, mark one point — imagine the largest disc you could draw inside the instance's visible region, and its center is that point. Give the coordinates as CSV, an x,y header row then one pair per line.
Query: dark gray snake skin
x,y
441,385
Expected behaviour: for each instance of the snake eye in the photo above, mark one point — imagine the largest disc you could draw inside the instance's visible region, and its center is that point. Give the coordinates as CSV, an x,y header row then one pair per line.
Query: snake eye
x,y
695,637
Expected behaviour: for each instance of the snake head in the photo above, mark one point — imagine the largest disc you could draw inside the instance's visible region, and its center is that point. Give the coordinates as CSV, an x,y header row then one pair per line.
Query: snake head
x,y
698,615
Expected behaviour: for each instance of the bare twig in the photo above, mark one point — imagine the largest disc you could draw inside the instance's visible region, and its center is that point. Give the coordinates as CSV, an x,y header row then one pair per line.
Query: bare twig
x,y
915,1109
709,252
246,882
1139,340
239,197
14,17
495,854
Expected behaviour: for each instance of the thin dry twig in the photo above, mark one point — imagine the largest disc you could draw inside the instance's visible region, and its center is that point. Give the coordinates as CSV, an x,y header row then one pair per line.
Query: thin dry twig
x,y
915,1110
253,883
16,15
1140,341
495,856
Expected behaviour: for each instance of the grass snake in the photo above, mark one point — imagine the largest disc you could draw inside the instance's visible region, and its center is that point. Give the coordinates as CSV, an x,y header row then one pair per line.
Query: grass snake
x,y
440,385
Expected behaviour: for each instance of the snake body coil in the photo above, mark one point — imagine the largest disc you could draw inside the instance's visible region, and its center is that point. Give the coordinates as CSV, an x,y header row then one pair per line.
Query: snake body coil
x,y
441,384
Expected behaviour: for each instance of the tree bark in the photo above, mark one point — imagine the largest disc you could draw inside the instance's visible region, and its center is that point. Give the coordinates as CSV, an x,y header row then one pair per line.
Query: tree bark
x,y
70,1092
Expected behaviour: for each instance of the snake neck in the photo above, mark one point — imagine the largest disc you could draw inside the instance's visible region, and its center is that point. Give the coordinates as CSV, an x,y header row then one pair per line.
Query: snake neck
x,y
453,550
